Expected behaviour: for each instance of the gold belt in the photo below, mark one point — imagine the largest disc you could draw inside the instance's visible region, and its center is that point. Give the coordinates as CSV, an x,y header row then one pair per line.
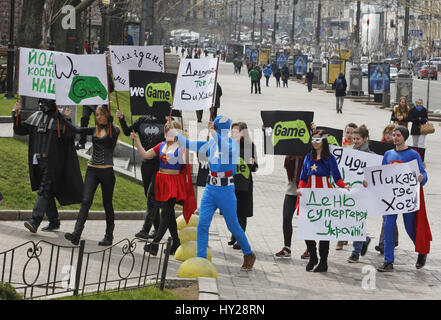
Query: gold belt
x,y
169,171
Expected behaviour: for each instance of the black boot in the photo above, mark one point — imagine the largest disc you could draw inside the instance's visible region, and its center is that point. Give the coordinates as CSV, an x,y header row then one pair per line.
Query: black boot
x,y
232,241
107,241
52,226
31,225
313,260
151,248
322,266
72,237
421,262
323,251
174,247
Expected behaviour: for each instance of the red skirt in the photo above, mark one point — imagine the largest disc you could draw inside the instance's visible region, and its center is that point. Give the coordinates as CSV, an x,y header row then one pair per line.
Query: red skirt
x,y
168,186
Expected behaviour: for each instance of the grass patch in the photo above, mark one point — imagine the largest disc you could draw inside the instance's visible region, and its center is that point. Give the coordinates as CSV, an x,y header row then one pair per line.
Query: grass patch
x,y
6,106
148,293
16,188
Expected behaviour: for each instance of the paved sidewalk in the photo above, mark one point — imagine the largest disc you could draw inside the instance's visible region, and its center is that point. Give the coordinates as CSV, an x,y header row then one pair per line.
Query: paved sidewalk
x,y
287,279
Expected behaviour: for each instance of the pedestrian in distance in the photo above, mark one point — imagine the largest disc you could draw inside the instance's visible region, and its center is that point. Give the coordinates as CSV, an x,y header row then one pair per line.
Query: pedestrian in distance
x,y
418,116
254,76
317,168
267,73
277,75
309,78
200,113
99,172
400,113
285,75
259,78
340,86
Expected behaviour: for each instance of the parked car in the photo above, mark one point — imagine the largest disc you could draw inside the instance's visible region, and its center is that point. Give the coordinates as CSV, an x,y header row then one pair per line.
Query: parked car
x,y
417,66
393,73
427,71
364,70
435,61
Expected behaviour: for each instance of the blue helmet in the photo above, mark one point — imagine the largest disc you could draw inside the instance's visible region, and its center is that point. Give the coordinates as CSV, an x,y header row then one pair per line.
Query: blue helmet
x,y
222,123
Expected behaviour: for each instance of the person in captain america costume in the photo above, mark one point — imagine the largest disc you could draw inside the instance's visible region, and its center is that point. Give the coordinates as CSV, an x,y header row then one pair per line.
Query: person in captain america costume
x,y
223,154
416,223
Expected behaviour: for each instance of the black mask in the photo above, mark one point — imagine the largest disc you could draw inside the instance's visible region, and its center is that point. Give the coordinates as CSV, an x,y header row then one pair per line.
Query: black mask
x,y
47,105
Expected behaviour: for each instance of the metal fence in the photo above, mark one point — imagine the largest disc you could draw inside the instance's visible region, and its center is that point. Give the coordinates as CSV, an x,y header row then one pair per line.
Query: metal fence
x,y
44,269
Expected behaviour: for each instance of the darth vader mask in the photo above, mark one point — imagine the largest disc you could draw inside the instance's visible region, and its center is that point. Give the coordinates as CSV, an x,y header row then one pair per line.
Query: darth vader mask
x,y
47,105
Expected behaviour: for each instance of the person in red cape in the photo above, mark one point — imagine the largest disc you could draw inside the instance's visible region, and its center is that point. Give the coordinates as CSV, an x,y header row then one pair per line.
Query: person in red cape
x,y
172,185
416,223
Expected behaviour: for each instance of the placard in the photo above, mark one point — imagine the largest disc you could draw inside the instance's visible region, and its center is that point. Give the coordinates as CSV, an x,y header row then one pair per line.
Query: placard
x,y
332,214
151,92
81,80
195,84
352,164
37,75
125,58
335,136
287,132
393,188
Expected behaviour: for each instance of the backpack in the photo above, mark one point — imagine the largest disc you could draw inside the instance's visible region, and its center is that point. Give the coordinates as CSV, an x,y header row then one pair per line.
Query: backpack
x,y
339,84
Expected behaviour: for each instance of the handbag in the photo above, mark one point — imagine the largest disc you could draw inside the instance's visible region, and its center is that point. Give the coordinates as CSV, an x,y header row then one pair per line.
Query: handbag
x,y
427,128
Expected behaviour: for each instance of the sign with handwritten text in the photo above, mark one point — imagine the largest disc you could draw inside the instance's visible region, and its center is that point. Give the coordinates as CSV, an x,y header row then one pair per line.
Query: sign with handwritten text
x,y
37,73
125,58
393,188
81,80
352,163
332,214
196,84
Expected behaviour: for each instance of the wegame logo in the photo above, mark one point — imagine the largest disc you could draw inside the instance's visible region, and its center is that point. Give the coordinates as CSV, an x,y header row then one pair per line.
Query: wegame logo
x,y
69,20
287,130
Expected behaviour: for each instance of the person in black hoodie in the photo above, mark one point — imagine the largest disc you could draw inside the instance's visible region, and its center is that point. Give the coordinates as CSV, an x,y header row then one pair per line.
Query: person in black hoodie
x,y
285,75
151,132
418,116
259,78
340,86
277,75
243,179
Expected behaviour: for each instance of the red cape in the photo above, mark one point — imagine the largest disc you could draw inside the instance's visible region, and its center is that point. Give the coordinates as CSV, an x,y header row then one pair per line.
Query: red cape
x,y
190,202
423,234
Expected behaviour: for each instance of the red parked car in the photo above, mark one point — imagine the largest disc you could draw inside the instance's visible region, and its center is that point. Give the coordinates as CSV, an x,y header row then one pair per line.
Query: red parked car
x,y
427,71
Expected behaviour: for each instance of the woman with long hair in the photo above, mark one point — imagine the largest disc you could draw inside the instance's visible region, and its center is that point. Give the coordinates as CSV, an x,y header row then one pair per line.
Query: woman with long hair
x,y
170,184
243,179
400,113
318,165
99,171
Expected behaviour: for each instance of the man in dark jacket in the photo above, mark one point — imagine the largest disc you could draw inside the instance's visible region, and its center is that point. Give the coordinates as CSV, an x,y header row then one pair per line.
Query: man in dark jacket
x,y
259,78
285,76
340,86
53,164
254,75
309,79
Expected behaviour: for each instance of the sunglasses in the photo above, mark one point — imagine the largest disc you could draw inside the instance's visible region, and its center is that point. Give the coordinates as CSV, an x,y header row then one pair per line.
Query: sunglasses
x,y
317,140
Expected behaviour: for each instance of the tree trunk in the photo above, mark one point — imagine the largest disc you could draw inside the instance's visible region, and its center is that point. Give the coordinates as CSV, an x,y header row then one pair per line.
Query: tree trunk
x,y
30,31
117,22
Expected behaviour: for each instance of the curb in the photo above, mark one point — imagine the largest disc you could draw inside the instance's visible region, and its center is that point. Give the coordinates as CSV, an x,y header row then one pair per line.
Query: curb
x,y
208,289
6,119
21,215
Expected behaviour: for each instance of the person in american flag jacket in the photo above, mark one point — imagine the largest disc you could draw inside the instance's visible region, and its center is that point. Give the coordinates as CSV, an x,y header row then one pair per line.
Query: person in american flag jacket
x,y
317,167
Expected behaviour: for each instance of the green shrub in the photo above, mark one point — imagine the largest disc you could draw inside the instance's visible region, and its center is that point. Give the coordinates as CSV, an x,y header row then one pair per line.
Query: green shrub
x,y
7,292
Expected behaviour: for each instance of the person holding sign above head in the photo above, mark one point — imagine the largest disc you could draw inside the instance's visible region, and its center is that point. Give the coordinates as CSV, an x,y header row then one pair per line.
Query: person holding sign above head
x,y
170,185
318,165
99,171
416,223
243,179
223,154
151,132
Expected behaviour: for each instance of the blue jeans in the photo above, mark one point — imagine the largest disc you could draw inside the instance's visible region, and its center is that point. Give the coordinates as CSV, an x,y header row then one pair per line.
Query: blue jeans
x,y
225,199
389,228
358,245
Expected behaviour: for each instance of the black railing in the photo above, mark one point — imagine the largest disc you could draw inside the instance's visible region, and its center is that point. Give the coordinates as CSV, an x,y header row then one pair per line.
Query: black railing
x,y
43,269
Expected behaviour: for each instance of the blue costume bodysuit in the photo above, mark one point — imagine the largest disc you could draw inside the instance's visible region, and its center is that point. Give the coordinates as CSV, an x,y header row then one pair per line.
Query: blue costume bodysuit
x,y
223,154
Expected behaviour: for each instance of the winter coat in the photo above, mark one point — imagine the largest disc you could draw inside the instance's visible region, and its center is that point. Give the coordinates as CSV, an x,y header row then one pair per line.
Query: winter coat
x,y
254,74
340,92
267,71
397,113
417,118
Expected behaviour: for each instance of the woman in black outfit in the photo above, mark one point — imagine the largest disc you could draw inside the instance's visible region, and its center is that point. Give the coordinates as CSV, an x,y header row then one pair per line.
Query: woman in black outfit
x,y
243,179
99,171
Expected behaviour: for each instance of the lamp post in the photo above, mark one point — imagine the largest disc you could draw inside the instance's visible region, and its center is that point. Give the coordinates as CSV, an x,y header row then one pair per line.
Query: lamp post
x,y
404,80
254,23
317,64
261,22
275,25
11,53
356,84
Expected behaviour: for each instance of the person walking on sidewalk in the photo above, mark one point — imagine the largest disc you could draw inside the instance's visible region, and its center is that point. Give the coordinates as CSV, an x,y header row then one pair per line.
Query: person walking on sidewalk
x,y
223,154
340,86
277,75
267,73
285,75
416,223
309,78
316,171
99,171
418,116
151,132
170,185
254,75
400,113
361,143
259,78
243,179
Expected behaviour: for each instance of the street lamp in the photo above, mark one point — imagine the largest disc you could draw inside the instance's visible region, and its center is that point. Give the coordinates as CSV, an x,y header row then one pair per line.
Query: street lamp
x,y
11,53
317,64
356,84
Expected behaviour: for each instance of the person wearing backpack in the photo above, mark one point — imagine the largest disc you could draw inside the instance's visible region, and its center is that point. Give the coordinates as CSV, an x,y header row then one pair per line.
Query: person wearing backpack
x,y
340,86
